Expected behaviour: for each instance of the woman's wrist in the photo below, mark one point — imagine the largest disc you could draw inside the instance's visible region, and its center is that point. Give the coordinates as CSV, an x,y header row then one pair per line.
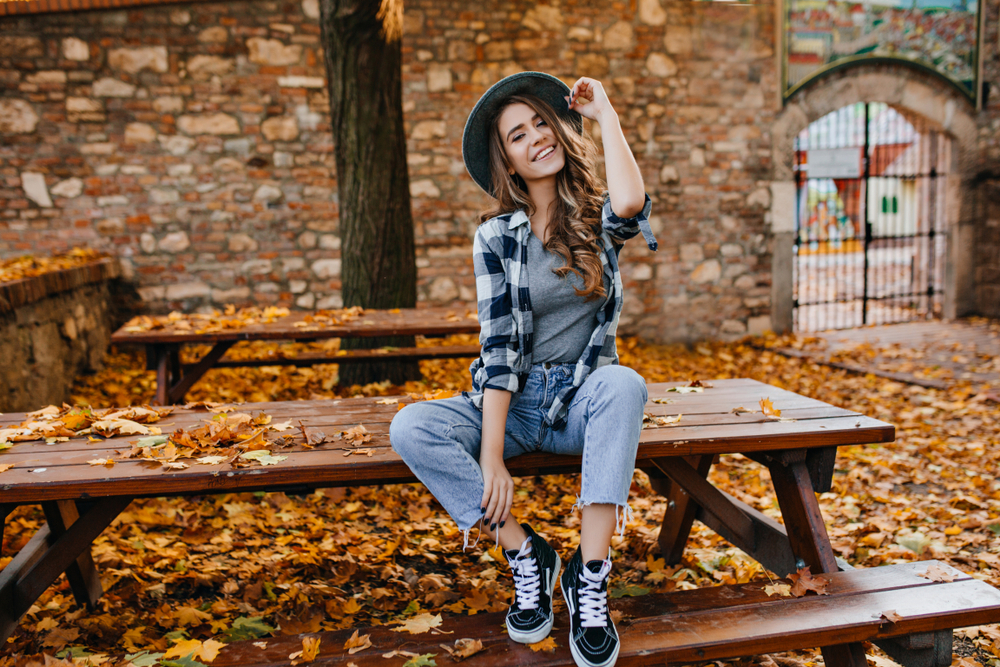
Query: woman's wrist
x,y
608,119
490,457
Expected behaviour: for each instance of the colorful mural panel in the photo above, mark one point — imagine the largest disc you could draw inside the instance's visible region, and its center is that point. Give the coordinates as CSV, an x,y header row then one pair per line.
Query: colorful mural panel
x,y
940,35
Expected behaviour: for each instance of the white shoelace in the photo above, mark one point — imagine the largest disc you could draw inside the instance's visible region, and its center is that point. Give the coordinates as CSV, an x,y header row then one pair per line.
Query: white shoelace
x,y
594,601
527,580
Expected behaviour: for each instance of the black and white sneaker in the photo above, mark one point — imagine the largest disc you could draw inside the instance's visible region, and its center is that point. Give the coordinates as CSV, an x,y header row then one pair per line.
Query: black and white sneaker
x,y
593,639
536,569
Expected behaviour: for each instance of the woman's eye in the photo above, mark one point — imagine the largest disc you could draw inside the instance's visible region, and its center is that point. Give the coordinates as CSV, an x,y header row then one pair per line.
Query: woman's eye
x,y
517,137
540,123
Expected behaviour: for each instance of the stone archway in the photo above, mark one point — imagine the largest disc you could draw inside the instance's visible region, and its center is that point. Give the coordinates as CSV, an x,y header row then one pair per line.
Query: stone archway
x,y
912,93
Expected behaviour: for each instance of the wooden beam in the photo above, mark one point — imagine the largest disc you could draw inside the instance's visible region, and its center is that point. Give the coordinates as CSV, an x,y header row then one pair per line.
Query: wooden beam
x,y
176,393
680,513
48,555
770,545
707,496
82,573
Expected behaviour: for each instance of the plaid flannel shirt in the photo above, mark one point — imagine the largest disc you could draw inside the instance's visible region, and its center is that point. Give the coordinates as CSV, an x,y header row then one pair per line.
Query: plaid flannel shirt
x,y
500,255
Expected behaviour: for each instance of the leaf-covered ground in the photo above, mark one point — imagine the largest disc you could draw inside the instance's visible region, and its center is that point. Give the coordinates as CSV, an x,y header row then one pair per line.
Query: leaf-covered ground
x,y
199,568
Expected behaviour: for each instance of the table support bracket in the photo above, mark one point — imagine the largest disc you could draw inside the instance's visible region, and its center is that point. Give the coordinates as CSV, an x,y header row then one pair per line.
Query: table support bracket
x,y
195,371
173,380
706,496
48,554
81,573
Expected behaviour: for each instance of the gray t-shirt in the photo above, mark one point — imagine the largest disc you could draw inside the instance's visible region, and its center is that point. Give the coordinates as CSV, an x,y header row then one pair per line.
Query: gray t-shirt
x,y
563,321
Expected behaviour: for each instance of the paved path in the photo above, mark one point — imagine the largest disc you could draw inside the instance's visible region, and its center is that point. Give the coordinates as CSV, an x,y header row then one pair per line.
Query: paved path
x,y
931,353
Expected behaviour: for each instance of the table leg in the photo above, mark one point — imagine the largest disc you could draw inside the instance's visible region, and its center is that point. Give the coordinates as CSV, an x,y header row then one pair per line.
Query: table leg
x,y
681,509
808,537
161,359
82,573
47,555
5,510
803,521
174,353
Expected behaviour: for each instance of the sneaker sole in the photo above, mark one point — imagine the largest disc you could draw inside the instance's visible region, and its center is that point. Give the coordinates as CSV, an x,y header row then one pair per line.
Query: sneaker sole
x,y
542,632
577,657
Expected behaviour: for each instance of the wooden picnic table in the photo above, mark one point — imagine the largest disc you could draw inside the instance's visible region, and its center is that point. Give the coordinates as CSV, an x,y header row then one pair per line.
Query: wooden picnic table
x,y
174,379
80,500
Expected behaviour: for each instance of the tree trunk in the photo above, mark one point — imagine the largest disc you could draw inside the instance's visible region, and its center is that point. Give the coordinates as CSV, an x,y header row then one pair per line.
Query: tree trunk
x,y
361,44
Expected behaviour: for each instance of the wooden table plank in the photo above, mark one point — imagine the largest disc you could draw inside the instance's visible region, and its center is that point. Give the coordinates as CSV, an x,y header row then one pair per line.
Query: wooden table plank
x,y
652,440
712,430
333,423
315,468
726,395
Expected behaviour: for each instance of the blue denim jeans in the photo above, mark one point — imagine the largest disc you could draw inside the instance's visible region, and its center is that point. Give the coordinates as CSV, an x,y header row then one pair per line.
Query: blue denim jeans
x,y
440,440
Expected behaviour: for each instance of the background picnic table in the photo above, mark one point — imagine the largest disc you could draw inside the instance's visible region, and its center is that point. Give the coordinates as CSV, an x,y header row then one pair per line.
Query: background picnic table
x,y
163,336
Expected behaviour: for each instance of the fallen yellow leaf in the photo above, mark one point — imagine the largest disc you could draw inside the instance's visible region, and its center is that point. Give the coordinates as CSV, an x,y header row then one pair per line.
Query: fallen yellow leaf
x,y
419,624
548,645
356,643
183,648
310,648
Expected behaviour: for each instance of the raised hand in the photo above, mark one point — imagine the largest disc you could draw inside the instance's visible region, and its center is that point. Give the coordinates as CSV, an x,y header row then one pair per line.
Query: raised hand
x,y
589,99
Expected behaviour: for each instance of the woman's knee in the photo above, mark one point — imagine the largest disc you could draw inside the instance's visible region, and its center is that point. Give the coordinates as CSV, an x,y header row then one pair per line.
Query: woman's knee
x,y
404,430
419,426
623,382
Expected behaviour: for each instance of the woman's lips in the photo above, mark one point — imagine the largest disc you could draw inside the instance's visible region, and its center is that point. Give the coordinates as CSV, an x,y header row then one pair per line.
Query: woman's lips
x,y
542,155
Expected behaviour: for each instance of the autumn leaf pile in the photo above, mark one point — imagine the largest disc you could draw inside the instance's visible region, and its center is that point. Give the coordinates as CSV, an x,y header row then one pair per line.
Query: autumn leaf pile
x,y
230,318
211,322
29,266
244,566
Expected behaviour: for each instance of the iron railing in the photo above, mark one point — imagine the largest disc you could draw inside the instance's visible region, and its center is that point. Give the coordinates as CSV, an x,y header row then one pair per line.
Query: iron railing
x,y
870,218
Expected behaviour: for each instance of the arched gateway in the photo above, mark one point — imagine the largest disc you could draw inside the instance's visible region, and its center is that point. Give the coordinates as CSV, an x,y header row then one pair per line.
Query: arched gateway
x,y
941,139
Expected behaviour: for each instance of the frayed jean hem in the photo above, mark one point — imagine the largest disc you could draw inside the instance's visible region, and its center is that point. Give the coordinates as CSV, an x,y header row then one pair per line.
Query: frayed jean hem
x,y
623,512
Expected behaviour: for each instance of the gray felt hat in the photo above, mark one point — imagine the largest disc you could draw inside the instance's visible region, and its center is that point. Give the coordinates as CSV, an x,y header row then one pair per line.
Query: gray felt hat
x,y
476,138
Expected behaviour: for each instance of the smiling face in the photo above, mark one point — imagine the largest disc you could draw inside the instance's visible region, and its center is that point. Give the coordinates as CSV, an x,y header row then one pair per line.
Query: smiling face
x,y
532,149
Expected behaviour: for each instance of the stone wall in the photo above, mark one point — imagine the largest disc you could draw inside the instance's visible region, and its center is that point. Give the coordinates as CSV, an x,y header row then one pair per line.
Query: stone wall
x,y
52,328
194,139
988,252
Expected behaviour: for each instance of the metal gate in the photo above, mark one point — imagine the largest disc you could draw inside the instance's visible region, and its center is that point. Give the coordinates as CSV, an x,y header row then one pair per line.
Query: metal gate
x,y
871,219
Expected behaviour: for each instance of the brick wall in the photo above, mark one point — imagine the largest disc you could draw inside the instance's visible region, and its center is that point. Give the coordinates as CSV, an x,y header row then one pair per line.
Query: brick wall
x,y
194,140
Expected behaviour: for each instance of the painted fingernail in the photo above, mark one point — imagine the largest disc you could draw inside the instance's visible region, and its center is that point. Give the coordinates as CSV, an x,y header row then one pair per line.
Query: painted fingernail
x,y
493,526
502,523
487,519
482,510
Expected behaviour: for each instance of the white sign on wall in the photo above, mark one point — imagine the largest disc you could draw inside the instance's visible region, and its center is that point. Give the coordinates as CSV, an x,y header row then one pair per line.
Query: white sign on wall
x,y
834,162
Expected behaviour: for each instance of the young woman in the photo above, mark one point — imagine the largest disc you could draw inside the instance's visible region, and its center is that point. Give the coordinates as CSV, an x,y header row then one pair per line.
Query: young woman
x,y
549,297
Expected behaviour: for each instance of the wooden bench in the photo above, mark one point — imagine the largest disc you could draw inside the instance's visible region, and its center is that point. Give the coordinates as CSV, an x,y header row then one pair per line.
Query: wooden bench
x,y
80,500
174,379
705,624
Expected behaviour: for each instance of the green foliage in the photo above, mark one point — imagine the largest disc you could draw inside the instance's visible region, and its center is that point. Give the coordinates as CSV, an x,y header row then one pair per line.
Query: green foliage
x,y
247,628
630,590
143,658
186,661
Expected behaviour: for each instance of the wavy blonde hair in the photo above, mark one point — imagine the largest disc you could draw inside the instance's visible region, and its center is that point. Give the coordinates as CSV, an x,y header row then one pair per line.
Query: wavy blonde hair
x,y
576,214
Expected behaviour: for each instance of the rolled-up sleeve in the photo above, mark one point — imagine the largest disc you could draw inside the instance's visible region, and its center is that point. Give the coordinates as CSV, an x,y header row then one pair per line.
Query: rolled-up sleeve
x,y
498,330
622,229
